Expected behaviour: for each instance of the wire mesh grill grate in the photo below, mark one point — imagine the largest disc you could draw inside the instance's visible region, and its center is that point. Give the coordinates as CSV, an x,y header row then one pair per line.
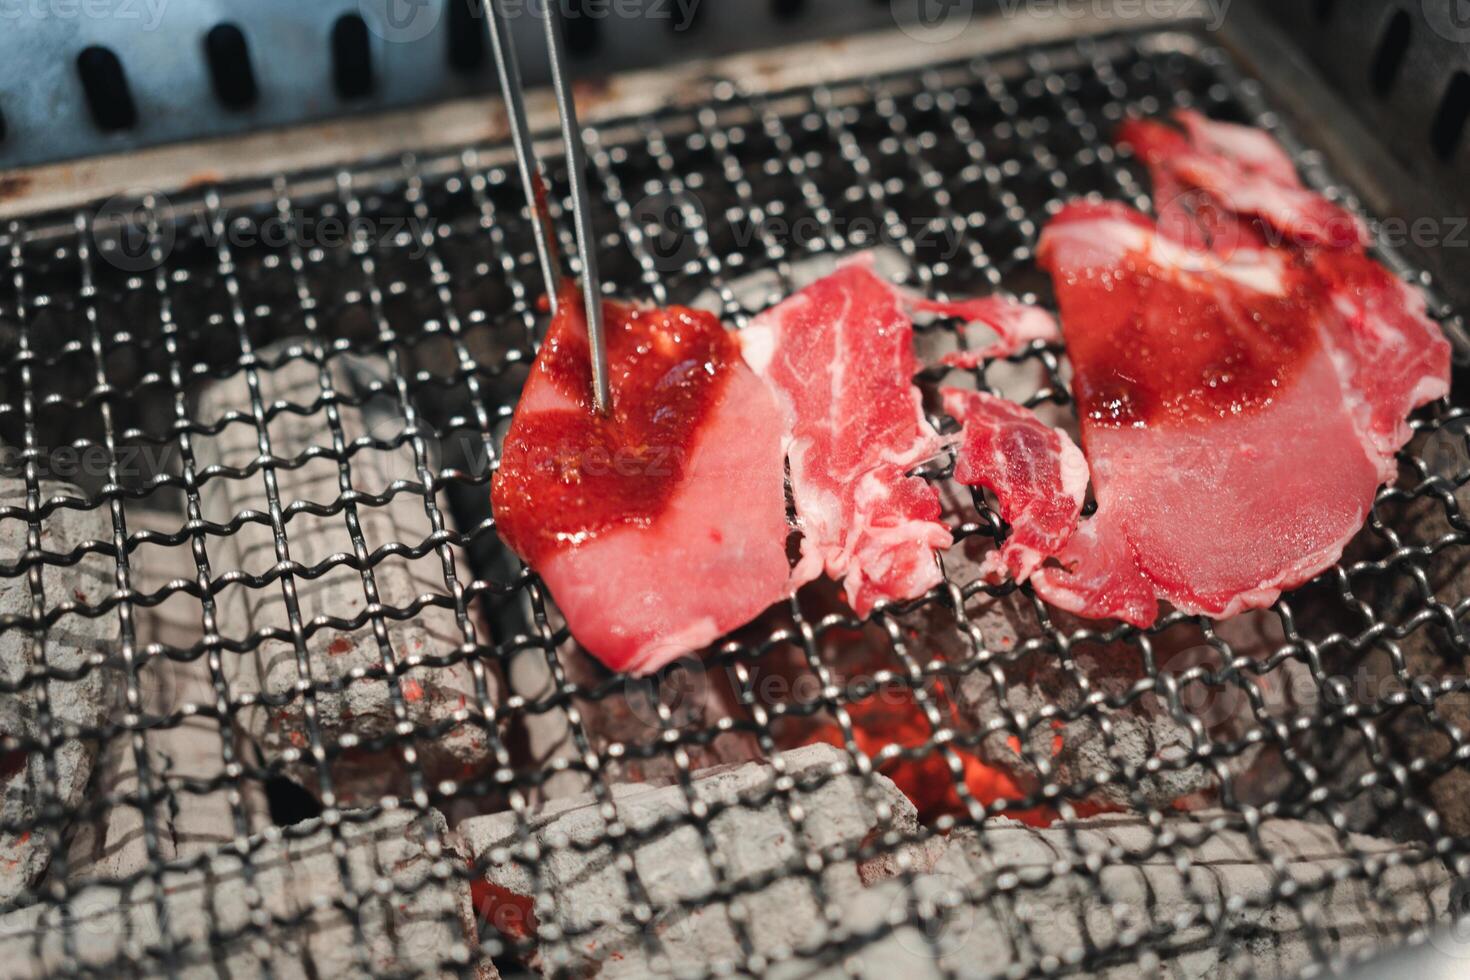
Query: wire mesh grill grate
x,y
249,431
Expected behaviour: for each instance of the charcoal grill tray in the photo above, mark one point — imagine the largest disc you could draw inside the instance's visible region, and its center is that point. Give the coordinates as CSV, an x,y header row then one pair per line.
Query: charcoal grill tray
x,y
109,343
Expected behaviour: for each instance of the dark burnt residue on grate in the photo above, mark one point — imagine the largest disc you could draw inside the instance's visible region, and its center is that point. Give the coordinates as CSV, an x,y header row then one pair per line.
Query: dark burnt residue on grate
x,y
249,584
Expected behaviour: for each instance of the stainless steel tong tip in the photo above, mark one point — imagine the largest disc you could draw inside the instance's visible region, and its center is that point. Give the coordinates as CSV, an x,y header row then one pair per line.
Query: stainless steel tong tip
x,y
529,167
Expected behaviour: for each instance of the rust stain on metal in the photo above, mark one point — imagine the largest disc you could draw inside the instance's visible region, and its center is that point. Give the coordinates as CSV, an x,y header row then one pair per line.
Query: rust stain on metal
x,y
591,93
13,186
203,179
498,125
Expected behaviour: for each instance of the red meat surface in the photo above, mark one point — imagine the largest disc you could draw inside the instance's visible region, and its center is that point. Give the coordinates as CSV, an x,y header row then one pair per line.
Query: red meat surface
x,y
1015,324
838,357
1238,173
662,525
1241,395
1037,474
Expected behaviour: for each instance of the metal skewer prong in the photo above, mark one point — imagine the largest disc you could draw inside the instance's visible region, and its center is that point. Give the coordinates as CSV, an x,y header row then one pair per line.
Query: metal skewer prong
x,y
513,90
576,157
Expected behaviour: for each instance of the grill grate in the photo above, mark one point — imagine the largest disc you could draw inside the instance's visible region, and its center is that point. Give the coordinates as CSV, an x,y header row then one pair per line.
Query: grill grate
x,y
403,292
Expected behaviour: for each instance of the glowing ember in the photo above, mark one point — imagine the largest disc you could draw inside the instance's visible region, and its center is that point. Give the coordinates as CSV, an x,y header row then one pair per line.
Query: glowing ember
x,y
512,915
892,716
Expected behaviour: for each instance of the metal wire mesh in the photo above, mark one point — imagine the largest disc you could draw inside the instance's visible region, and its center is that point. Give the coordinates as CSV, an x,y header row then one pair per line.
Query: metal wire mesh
x,y
265,415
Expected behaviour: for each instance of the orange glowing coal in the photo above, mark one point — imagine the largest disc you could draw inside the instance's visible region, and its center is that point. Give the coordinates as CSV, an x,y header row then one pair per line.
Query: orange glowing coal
x,y
893,716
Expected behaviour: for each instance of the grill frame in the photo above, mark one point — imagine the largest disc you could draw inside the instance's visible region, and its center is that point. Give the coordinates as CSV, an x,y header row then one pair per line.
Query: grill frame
x,y
354,189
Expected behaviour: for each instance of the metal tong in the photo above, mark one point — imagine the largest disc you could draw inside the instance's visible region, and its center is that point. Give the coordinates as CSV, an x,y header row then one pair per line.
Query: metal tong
x,y
529,166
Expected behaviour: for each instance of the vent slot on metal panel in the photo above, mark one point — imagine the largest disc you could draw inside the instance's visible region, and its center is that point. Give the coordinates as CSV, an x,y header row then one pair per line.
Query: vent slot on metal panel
x,y
581,27
229,66
1449,120
106,86
1391,50
352,58
466,36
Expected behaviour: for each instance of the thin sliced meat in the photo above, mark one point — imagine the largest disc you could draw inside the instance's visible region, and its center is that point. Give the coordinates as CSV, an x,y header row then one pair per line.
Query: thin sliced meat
x,y
1037,474
1015,324
838,356
661,526
1238,410
1243,172
1393,358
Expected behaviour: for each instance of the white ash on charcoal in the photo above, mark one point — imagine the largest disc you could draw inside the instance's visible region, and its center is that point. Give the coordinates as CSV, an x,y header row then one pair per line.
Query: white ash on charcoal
x,y
388,899
571,877
342,672
126,837
1125,734
1061,751
1194,898
71,666
200,801
621,719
